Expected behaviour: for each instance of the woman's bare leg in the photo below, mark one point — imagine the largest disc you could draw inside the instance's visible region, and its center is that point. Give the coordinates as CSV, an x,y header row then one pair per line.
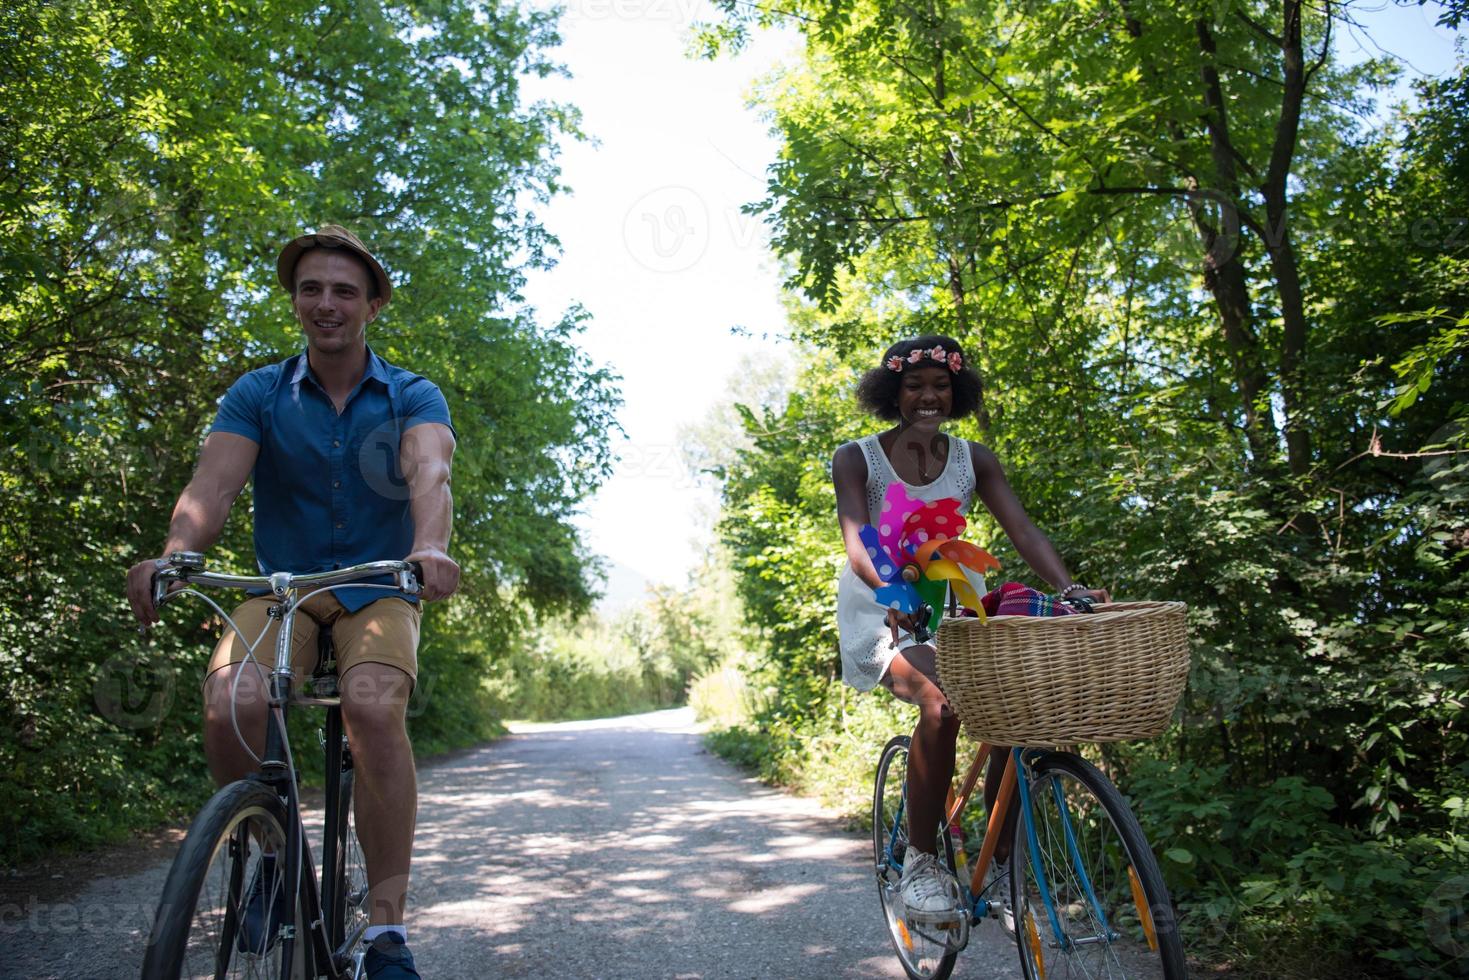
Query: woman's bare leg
x,y
912,678
999,759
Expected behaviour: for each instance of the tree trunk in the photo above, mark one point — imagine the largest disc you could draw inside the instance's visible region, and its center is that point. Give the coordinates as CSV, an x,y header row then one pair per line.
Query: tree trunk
x,y
1224,274
1278,241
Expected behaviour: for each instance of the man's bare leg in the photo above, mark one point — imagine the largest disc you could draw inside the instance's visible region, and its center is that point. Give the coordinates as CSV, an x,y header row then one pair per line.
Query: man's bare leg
x,y
228,758
375,711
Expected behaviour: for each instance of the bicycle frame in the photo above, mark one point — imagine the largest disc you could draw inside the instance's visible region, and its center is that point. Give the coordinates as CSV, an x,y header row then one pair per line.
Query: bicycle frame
x,y
972,890
277,767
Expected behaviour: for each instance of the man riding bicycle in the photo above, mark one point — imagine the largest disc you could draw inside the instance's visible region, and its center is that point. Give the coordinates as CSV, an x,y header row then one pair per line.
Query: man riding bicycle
x,y
350,457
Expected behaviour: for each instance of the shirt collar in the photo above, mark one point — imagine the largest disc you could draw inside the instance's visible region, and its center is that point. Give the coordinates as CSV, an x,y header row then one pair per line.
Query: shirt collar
x,y
375,370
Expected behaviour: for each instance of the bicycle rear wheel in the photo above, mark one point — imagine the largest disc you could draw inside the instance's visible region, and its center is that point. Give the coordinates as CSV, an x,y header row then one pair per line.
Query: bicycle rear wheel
x,y
1098,906
926,952
197,930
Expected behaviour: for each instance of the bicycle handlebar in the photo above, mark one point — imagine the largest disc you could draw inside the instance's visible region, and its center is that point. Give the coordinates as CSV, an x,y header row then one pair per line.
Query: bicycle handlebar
x,y
922,634
188,567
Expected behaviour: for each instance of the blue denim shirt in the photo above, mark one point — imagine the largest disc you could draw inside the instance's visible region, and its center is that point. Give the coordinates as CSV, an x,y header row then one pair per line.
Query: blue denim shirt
x,y
329,491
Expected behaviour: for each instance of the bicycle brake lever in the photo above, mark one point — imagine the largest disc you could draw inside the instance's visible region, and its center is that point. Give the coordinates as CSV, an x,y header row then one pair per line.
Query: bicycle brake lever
x,y
161,578
920,629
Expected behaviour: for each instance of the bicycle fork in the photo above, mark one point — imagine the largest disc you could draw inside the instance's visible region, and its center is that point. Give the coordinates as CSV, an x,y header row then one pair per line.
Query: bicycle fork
x,y
1062,941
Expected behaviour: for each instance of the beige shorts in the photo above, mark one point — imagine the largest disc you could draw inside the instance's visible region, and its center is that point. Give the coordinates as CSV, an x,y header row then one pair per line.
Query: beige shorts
x,y
384,632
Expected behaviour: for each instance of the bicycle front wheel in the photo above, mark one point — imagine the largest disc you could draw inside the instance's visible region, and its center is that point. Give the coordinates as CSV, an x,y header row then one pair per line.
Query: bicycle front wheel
x,y
1087,896
201,927
926,952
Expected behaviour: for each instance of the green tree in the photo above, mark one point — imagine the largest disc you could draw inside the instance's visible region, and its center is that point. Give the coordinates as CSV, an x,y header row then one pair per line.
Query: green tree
x,y
156,155
1175,244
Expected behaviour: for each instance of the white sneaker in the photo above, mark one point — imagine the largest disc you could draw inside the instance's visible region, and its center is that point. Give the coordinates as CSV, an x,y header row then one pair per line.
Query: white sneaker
x,y
927,888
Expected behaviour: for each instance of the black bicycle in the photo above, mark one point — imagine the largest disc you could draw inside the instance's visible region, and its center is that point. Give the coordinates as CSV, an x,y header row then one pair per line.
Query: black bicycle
x,y
249,840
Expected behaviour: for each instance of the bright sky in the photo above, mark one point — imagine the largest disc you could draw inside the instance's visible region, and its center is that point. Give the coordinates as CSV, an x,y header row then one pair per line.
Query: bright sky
x,y
655,247
1407,33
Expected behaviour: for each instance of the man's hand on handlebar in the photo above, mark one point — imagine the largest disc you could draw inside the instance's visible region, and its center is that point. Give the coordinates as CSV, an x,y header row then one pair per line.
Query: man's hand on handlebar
x,y
140,589
440,573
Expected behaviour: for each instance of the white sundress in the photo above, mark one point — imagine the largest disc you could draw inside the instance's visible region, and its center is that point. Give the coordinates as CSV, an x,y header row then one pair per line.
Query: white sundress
x,y
866,641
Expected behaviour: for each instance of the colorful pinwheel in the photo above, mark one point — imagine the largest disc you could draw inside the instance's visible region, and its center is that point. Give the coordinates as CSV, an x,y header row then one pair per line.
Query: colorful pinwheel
x,y
917,553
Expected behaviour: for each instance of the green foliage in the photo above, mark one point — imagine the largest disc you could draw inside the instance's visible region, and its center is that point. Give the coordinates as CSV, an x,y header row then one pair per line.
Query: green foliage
x,y
646,657
592,668
581,670
832,757
1294,871
157,155
1187,411
1418,366
722,696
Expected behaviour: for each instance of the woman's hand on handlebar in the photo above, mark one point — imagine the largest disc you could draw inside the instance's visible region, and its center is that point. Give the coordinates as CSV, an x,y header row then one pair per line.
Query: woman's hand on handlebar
x,y
906,622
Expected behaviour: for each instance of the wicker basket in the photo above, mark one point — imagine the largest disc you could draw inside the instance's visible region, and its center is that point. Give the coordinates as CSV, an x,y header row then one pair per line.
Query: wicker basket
x,y
1108,676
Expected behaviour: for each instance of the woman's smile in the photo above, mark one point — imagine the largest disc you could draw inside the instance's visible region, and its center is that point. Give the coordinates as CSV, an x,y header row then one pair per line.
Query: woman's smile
x,y
926,394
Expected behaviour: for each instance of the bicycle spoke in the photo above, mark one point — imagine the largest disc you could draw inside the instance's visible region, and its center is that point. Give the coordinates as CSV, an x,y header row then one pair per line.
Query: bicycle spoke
x,y
354,880
212,948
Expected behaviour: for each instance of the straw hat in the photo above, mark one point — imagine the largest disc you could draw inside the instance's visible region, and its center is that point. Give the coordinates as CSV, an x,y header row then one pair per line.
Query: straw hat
x,y
329,236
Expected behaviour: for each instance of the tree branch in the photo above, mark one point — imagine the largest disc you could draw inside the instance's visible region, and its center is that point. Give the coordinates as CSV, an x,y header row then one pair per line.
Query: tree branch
x,y
1259,28
1325,48
1010,98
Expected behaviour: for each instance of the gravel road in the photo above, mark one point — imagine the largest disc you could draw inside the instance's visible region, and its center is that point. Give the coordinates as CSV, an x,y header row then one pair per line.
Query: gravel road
x,y
601,849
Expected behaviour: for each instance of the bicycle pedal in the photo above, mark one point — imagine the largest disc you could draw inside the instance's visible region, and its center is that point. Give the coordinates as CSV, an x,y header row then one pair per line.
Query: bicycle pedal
x,y
948,919
950,935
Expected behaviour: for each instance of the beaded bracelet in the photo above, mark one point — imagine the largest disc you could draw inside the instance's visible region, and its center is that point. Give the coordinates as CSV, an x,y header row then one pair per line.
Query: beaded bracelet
x,y
1073,587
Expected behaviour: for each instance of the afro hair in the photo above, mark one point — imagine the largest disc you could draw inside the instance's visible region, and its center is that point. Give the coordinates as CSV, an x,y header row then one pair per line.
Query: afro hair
x,y
877,392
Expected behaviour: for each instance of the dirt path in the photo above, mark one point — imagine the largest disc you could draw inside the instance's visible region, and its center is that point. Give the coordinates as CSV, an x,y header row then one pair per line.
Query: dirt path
x,y
613,848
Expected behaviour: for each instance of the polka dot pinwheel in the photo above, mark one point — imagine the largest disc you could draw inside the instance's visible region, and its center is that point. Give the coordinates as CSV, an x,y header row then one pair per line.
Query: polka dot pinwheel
x,y
917,553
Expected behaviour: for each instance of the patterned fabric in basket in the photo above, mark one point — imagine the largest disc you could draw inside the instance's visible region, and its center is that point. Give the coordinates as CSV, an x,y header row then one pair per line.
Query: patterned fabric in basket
x,y
1014,599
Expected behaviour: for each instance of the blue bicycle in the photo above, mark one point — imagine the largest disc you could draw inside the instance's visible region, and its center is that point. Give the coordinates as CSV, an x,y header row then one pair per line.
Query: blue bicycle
x,y
1083,895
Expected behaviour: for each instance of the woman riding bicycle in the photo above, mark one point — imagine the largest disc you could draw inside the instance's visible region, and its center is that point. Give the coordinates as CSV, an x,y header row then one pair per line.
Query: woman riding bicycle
x,y
920,384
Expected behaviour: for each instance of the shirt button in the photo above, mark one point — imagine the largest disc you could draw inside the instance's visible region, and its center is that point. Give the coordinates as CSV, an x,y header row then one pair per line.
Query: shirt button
x,y
336,444
337,484
341,524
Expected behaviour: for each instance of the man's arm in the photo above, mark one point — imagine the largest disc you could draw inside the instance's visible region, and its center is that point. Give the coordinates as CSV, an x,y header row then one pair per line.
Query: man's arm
x,y
225,463
425,456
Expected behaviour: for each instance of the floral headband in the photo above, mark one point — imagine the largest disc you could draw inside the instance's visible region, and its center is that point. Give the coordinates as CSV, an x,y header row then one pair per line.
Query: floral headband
x,y
952,359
